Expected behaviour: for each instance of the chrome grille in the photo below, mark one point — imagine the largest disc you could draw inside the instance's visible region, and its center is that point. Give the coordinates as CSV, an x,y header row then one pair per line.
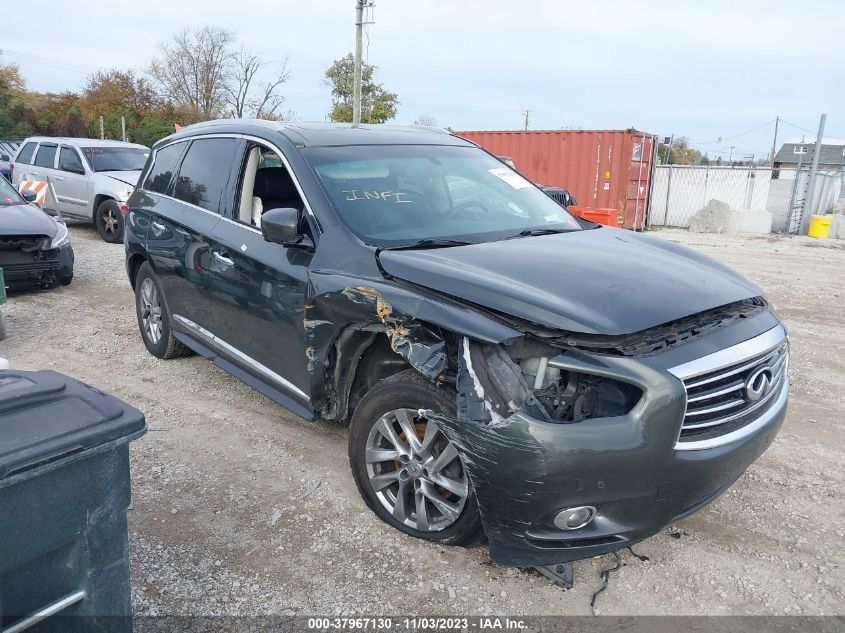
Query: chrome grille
x,y
733,387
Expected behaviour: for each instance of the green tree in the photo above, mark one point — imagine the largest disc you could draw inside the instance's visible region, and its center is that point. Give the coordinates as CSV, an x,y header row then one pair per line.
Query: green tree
x,y
12,106
377,104
680,154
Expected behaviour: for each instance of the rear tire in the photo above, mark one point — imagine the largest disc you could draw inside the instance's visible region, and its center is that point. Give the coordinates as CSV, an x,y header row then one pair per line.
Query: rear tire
x,y
154,317
109,222
429,495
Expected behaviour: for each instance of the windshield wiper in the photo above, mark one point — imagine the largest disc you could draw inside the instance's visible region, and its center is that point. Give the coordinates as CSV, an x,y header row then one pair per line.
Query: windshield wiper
x,y
427,243
533,232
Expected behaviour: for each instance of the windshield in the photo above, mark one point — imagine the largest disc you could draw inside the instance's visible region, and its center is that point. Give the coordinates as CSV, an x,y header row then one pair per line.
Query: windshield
x,y
116,158
8,195
400,194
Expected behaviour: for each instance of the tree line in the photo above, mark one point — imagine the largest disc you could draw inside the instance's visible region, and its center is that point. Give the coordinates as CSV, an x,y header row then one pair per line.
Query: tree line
x,y
196,75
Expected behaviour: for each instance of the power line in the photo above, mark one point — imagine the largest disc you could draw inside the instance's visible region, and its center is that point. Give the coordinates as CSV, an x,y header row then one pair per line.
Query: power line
x,y
51,61
754,129
450,109
813,132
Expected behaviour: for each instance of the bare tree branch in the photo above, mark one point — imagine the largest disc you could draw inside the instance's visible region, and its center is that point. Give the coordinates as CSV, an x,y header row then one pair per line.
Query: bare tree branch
x,y
191,68
267,105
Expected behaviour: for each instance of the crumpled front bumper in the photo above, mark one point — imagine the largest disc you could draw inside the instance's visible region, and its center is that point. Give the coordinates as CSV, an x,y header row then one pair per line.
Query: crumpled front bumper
x,y
525,470
41,269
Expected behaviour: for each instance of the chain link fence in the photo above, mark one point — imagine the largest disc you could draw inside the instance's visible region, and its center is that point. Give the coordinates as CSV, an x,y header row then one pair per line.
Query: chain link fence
x,y
830,186
678,191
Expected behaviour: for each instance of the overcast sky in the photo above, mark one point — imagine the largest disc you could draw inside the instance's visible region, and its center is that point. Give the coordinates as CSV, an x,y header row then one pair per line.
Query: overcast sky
x,y
699,69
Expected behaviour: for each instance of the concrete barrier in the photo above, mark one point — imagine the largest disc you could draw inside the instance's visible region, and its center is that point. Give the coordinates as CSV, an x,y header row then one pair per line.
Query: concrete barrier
x,y
837,227
747,221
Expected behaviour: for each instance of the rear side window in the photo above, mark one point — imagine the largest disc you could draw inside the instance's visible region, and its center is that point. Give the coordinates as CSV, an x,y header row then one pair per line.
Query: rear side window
x,y
46,156
205,171
161,173
25,155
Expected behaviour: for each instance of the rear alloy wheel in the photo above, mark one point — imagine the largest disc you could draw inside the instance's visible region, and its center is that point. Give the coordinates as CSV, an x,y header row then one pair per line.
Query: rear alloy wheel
x,y
109,221
154,317
150,312
409,473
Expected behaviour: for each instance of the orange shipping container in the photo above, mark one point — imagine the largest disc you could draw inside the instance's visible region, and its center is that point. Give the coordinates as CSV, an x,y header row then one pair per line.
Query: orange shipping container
x,y
600,168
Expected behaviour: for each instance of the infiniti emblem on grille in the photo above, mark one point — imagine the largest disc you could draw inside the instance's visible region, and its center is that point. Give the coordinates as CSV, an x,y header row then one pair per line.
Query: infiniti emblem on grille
x,y
759,383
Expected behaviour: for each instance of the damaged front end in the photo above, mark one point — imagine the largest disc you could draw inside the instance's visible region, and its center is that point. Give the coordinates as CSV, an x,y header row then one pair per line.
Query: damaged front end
x,y
551,433
570,443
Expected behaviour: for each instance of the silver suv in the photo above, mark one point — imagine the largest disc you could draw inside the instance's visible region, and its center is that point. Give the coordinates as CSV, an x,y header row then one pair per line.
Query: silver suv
x,y
87,179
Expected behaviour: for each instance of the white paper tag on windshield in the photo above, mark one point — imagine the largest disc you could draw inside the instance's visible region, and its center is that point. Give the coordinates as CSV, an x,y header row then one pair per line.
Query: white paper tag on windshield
x,y
511,177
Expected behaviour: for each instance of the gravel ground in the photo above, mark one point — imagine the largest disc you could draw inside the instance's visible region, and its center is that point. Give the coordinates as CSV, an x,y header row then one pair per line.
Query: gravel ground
x,y
242,508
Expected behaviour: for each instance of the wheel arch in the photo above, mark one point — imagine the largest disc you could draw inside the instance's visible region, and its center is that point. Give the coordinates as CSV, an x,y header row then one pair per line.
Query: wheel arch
x,y
99,199
133,265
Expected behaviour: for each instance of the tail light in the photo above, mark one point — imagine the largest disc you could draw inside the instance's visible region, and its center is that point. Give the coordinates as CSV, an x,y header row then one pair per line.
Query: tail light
x,y
124,209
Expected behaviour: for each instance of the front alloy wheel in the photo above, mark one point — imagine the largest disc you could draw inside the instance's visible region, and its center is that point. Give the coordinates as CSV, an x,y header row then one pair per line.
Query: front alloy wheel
x,y
408,472
415,471
109,221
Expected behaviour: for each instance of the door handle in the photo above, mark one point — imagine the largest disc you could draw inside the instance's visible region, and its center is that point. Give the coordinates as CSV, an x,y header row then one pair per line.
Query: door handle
x,y
158,227
222,259
59,178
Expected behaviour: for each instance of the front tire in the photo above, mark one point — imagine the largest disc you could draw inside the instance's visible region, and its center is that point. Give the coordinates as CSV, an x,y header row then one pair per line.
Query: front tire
x,y
154,317
109,222
406,470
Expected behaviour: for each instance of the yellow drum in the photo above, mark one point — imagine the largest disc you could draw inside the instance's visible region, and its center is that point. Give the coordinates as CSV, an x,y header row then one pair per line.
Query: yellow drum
x,y
819,225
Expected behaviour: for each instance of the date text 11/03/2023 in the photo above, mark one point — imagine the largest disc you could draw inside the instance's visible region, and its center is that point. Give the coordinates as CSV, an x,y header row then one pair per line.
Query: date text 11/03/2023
x,y
422,623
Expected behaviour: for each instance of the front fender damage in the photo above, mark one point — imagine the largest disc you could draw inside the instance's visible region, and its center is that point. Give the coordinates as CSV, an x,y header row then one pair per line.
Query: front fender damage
x,y
345,315
414,341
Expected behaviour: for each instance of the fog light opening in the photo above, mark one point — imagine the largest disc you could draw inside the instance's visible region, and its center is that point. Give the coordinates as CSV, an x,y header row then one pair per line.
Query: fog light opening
x,y
575,518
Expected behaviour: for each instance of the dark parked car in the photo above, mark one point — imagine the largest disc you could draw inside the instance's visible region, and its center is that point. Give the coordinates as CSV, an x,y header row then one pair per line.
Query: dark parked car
x,y
568,388
561,196
35,250
7,151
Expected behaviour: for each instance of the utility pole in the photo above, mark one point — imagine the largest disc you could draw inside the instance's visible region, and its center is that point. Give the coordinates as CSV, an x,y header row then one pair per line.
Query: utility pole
x,y
774,143
102,130
730,154
123,128
811,182
527,112
669,149
356,88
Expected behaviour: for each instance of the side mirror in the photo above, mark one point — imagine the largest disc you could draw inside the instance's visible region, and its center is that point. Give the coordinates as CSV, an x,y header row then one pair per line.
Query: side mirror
x,y
73,168
280,225
5,157
29,195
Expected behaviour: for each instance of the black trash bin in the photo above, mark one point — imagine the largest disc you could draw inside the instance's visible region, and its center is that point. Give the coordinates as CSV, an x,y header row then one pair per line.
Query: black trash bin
x,y
64,494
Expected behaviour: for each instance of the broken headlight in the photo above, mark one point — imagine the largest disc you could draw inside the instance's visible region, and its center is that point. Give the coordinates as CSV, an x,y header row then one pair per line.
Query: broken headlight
x,y
570,396
61,237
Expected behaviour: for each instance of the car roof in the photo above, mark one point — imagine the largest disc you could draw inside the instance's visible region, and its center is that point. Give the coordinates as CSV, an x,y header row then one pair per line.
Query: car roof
x,y
322,134
82,142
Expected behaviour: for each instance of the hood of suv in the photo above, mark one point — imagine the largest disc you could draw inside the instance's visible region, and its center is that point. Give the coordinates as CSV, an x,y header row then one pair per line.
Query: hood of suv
x,y
127,177
598,281
26,219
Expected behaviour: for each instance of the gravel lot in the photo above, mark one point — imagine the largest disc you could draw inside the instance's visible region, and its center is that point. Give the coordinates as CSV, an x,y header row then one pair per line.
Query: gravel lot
x,y
242,508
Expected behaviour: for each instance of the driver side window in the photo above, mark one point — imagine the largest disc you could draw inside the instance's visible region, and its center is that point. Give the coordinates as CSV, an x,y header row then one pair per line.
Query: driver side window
x,y
265,184
69,160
